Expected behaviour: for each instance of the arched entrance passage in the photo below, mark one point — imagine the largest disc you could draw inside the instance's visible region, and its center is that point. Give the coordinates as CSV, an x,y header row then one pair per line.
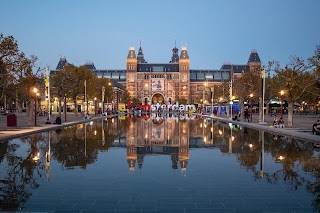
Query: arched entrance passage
x,y
157,98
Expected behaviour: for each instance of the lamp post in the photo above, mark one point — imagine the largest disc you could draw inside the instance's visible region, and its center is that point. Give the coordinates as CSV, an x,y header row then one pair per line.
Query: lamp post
x,y
102,97
212,91
251,95
282,92
204,91
35,90
95,107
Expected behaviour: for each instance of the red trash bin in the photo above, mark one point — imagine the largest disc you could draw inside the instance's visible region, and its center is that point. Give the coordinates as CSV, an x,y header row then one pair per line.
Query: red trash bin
x,y
11,120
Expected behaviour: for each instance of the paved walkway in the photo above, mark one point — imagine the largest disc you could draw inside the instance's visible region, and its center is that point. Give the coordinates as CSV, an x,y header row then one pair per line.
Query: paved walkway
x,y
302,125
301,129
24,128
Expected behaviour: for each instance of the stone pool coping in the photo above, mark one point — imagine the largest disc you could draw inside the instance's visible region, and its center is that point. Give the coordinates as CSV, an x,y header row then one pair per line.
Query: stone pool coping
x,y
292,132
11,134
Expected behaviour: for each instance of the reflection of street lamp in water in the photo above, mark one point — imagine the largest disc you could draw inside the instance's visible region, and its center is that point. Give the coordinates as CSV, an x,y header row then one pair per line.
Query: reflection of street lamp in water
x,y
251,95
36,157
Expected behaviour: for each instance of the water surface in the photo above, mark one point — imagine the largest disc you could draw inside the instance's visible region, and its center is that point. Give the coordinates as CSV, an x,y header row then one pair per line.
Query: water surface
x,y
158,163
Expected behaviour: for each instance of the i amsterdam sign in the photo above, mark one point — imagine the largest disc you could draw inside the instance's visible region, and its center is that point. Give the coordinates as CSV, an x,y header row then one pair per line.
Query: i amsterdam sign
x,y
155,107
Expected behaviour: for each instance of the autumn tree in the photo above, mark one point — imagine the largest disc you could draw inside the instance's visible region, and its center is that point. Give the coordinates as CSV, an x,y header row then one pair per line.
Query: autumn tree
x,y
314,63
61,85
295,80
248,83
125,98
76,78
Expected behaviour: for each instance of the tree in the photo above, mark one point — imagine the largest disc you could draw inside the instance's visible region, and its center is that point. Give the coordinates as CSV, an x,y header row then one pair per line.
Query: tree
x,y
125,98
76,76
135,101
62,85
182,101
9,55
295,80
248,83
314,63
271,87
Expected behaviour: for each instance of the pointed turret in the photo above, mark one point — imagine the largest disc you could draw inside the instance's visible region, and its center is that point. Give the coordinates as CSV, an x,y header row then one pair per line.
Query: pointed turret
x,y
254,61
184,53
62,62
175,54
140,55
254,57
132,53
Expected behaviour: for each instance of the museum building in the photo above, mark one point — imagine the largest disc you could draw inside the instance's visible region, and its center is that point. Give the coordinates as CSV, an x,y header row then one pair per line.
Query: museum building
x,y
167,82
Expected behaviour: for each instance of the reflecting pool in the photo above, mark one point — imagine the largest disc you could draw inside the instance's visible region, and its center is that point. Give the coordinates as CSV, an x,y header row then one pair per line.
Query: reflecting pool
x,y
159,163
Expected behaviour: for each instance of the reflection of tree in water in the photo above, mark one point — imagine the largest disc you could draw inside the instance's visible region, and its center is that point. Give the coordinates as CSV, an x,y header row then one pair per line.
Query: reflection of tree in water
x,y
22,173
300,168
298,156
72,149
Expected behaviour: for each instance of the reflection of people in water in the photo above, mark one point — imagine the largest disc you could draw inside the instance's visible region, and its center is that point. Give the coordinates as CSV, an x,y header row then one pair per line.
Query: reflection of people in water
x,y
316,147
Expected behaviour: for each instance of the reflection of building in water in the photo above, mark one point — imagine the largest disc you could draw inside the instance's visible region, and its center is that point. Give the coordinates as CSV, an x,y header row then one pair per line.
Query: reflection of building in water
x,y
156,136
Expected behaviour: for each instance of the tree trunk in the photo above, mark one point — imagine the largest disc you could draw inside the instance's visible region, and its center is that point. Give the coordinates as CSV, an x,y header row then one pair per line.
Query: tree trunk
x,y
261,108
290,113
5,103
59,106
75,106
30,111
241,109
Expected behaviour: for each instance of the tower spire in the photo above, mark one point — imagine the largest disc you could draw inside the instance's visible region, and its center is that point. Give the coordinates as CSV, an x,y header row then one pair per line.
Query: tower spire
x,y
140,42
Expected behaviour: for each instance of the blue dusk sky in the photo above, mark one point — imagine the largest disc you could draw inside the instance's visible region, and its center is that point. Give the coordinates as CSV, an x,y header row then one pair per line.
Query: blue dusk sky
x,y
214,31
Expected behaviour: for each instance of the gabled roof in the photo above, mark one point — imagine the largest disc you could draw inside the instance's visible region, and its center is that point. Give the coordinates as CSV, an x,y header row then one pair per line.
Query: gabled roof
x,y
254,57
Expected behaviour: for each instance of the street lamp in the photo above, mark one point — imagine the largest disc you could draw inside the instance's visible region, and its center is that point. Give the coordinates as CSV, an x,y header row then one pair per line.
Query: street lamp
x,y
282,92
251,95
35,90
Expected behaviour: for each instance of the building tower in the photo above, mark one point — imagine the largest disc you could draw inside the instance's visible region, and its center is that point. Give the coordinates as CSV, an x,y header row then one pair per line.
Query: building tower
x,y
175,54
132,72
254,62
62,63
184,71
140,57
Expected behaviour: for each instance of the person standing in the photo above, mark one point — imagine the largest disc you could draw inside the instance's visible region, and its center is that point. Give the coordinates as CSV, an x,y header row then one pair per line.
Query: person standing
x,y
246,115
316,128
